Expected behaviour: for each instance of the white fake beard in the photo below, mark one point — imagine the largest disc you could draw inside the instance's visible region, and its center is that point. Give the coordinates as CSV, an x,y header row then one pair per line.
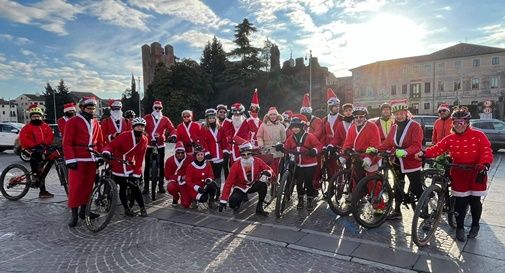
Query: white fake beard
x,y
237,121
157,114
247,162
116,114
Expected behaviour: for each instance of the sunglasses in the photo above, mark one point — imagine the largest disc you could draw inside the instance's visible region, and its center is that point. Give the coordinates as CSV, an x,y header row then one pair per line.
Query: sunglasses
x,y
245,154
91,108
442,111
186,116
222,112
459,122
359,116
157,108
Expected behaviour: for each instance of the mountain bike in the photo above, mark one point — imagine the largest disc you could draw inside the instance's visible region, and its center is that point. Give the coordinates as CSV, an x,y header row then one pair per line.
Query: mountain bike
x,y
287,182
16,179
154,170
435,200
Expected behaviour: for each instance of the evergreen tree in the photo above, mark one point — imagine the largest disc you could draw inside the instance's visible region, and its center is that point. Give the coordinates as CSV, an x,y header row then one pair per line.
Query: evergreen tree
x,y
61,96
213,60
250,62
130,98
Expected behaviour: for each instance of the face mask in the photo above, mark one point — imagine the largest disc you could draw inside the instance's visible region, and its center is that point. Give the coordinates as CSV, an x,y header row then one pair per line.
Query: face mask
x,y
157,114
36,122
69,114
348,119
138,133
86,115
116,114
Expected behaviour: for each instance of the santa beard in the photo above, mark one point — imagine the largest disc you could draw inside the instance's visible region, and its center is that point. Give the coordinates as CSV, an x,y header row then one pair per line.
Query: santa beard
x,y
237,121
157,114
116,114
247,163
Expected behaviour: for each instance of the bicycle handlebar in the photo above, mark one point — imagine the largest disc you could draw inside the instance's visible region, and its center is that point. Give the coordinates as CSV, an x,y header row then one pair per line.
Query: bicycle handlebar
x,y
449,164
97,154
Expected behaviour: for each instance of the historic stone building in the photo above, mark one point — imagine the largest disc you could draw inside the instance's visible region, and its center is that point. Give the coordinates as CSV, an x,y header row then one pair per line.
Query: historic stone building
x,y
151,56
24,101
464,74
8,110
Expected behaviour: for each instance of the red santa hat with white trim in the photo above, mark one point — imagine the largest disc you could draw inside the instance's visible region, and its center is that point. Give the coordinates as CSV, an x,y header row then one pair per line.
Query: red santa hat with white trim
x,y
179,146
255,101
306,108
86,101
443,106
243,145
69,107
331,98
115,103
157,103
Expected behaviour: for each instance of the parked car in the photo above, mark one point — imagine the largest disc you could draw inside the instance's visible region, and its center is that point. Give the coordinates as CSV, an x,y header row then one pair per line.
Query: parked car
x,y
25,156
494,130
8,134
427,123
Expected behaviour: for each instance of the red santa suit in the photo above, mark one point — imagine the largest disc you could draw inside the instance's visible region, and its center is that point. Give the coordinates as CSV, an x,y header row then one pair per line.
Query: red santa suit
x,y
159,127
242,178
341,133
316,128
195,179
81,135
175,174
254,125
244,131
61,125
189,134
214,142
125,147
308,141
34,135
470,148
112,128
330,127
410,140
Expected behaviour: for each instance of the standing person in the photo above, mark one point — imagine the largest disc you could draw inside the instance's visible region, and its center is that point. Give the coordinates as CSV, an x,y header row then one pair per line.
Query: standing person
x,y
254,121
130,146
214,142
189,132
116,123
200,185
343,127
406,137
286,119
68,112
469,147
270,133
309,147
129,115
175,171
249,174
330,124
157,126
82,133
225,123
385,121
35,137
443,125
238,127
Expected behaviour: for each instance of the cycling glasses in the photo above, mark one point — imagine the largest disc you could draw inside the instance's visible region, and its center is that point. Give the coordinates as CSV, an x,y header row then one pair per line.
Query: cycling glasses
x,y
157,108
246,154
459,122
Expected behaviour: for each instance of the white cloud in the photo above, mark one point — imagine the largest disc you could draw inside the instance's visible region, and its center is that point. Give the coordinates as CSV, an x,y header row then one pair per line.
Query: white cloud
x,y
27,52
446,8
197,39
118,13
14,39
357,6
494,35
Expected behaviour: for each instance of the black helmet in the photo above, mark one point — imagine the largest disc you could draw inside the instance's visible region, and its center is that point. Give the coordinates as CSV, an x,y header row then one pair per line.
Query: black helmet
x,y
130,114
296,122
461,113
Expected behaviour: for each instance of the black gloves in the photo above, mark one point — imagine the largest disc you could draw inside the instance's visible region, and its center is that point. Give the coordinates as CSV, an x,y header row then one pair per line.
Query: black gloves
x,y
279,147
201,190
208,156
72,165
222,206
266,173
481,176
312,152
172,139
106,156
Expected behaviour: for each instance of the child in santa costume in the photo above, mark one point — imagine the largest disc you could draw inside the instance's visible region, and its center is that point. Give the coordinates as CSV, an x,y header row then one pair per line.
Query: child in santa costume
x,y
247,175
189,132
253,120
116,123
175,172
69,111
200,185
82,133
330,126
157,127
129,146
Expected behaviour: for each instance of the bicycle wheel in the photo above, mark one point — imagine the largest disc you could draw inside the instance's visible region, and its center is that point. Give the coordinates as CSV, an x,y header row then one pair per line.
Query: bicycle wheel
x,y
102,203
283,194
340,193
325,182
427,215
427,176
372,200
61,170
154,177
15,181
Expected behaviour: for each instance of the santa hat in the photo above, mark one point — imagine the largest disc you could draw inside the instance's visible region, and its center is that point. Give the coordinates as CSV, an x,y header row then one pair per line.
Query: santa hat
x,y
87,101
221,107
255,101
399,104
273,110
287,114
301,117
443,106
179,146
243,145
69,107
115,103
331,98
238,107
187,112
306,104
157,103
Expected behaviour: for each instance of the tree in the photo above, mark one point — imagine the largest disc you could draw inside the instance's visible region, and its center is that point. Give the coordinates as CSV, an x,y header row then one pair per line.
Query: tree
x,y
61,96
213,60
265,54
248,54
130,98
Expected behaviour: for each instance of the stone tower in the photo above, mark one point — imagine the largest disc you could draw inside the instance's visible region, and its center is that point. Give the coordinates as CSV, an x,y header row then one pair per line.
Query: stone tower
x,y
151,56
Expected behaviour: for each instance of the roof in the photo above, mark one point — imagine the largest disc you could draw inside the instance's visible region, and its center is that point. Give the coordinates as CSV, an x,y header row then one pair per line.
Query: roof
x,y
78,95
35,97
456,51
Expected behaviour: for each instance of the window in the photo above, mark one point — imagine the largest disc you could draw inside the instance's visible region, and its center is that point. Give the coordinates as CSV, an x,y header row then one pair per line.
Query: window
x,y
404,89
427,87
393,90
426,106
415,90
483,125
440,86
476,62
495,60
457,85
493,82
475,84
499,125
441,66
427,68
457,64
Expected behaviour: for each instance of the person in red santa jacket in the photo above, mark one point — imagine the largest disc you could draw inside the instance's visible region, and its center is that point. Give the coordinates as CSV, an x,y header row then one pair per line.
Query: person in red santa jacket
x,y
343,126
175,171
385,121
237,127
443,125
247,175
254,120
466,146
189,132
308,147
225,123
116,123
68,112
330,126
82,133
35,137
405,137
200,185
129,146
157,126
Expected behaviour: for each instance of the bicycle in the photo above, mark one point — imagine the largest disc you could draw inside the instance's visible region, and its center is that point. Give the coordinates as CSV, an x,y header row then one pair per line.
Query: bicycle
x,y
16,179
372,200
342,184
325,170
286,183
267,157
435,200
154,170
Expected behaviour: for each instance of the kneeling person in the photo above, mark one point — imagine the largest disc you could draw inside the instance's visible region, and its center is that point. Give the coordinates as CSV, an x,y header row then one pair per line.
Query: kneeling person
x,y
200,185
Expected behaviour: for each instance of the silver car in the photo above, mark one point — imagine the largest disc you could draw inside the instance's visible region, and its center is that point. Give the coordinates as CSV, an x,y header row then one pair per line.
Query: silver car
x,y
494,130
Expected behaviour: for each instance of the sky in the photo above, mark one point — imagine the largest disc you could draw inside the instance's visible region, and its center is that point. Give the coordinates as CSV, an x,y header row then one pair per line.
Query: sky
x,y
95,45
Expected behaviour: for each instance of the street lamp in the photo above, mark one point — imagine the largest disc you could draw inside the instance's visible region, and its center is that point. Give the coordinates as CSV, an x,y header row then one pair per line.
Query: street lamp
x,y
138,79
310,73
54,105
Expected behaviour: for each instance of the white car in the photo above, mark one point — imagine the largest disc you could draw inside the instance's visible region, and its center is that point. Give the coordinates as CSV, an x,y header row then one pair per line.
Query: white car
x,y
8,134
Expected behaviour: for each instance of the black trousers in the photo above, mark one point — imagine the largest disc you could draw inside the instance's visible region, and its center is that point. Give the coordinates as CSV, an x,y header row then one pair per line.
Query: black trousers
x,y
147,166
216,169
237,196
304,184
35,160
461,205
135,191
210,192
415,185
226,166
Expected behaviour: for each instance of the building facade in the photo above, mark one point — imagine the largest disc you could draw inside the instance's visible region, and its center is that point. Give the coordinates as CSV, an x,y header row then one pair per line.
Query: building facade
x,y
151,56
8,111
24,101
463,74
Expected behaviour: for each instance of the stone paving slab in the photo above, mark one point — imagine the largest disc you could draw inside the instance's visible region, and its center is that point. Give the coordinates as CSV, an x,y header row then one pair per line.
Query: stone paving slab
x,y
327,243
489,242
276,234
389,256
480,264
432,264
492,213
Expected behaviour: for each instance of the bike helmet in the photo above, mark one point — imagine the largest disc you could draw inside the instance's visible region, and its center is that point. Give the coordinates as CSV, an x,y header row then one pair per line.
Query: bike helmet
x,y
36,111
130,114
297,122
138,121
333,101
210,112
461,113
385,105
358,110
